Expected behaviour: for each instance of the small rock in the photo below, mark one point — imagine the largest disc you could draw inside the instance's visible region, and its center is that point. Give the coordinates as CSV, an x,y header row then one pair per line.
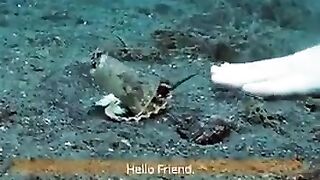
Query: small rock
x,y
211,133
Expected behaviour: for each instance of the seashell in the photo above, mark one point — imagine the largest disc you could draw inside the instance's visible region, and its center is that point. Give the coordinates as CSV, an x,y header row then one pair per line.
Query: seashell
x,y
131,95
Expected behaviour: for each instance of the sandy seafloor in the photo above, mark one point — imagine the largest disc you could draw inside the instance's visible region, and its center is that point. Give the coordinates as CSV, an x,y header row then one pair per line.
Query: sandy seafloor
x,y
46,89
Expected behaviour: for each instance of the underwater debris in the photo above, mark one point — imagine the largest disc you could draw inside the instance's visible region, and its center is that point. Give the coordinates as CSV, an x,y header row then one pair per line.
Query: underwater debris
x,y
136,54
170,42
122,51
316,133
310,175
144,11
6,111
56,16
132,95
312,104
255,113
218,132
215,132
173,42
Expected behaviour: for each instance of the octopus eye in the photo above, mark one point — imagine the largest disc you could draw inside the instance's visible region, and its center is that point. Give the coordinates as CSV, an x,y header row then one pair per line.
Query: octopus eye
x,y
94,64
96,55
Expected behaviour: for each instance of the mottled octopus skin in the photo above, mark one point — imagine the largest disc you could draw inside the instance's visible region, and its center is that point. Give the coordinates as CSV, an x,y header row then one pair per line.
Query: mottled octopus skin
x,y
137,92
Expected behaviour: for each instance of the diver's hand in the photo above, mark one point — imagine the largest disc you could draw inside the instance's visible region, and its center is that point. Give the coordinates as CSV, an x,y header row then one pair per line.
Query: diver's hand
x,y
295,74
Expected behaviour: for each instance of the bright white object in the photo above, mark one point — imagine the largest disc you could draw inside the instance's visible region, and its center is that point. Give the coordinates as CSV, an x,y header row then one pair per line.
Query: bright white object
x,y
112,106
295,74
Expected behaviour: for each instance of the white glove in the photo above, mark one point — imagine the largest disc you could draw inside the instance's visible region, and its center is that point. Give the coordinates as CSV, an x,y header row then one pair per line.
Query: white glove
x,y
295,74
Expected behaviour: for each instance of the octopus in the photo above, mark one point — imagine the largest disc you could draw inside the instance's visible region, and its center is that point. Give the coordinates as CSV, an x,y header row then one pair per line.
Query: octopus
x,y
130,94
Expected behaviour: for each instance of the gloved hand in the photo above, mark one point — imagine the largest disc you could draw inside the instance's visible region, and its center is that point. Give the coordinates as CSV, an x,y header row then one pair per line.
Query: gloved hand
x,y
295,74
